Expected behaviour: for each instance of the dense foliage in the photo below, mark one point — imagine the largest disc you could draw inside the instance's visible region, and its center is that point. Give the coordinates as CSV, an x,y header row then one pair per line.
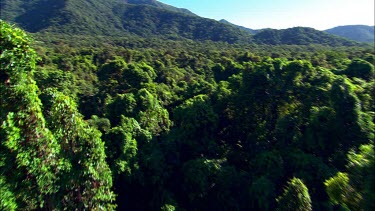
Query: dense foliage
x,y
49,159
299,36
184,125
146,19
115,18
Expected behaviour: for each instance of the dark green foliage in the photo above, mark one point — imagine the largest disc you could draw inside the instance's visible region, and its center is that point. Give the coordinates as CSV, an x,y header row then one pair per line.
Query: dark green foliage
x,y
361,69
91,16
199,177
160,5
146,19
299,36
122,146
113,18
263,192
252,31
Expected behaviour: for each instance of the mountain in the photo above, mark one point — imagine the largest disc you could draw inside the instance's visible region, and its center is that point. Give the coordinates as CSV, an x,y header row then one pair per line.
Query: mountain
x,y
147,21
299,36
160,5
360,33
144,18
252,31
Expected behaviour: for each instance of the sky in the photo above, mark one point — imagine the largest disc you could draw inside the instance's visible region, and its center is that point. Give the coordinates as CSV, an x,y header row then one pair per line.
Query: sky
x,y
281,14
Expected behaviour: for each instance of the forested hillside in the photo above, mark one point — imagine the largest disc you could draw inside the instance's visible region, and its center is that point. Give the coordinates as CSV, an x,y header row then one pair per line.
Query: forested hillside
x,y
155,124
299,36
251,31
116,18
359,33
145,19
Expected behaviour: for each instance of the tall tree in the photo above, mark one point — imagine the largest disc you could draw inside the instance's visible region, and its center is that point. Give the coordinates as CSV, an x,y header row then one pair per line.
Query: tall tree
x,y
58,168
29,155
88,180
295,197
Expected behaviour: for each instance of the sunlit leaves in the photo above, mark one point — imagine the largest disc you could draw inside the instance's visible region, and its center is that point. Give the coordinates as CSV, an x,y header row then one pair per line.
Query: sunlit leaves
x,y
89,176
353,189
25,141
295,197
47,169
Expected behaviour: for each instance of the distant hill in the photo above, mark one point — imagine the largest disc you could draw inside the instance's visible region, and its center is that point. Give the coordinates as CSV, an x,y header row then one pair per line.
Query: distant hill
x,y
144,18
252,31
299,36
148,21
360,33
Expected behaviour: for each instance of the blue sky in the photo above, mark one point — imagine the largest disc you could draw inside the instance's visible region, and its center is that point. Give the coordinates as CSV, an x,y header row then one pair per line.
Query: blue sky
x,y
280,14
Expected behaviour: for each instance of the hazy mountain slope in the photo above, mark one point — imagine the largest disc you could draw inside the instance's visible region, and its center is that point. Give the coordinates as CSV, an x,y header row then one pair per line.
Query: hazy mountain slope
x,y
299,36
360,33
160,5
252,31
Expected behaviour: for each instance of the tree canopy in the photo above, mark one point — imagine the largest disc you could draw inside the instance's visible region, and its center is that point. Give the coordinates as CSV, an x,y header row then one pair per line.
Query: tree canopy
x,y
149,124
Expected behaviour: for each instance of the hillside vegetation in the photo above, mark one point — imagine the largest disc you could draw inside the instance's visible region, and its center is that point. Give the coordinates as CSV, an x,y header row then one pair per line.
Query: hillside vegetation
x,y
152,124
146,19
359,33
299,36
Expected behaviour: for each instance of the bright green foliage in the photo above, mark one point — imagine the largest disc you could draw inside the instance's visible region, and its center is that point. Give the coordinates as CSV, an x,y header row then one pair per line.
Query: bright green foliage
x,y
121,104
354,190
89,178
143,106
151,115
295,197
186,125
29,153
61,168
7,197
352,125
339,190
168,207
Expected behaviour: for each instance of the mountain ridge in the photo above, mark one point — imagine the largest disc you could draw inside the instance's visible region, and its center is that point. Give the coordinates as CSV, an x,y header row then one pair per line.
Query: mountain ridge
x,y
359,33
145,18
160,5
114,18
299,36
252,31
